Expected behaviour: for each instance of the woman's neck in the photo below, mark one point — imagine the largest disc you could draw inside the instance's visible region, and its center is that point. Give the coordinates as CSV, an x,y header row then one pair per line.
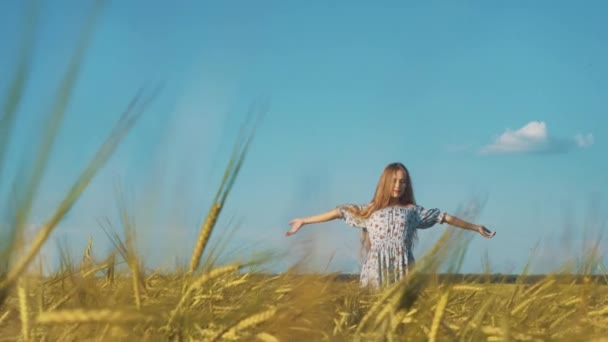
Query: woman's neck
x,y
394,201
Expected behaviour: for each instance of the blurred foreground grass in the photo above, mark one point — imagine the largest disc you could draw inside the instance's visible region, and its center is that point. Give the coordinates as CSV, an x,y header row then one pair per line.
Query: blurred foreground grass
x,y
118,299
76,306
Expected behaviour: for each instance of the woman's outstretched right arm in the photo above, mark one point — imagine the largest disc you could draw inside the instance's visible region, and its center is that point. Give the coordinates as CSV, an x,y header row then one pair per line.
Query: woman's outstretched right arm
x,y
298,223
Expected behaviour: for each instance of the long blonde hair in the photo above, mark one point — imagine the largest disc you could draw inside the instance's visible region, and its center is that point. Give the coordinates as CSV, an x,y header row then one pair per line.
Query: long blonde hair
x,y
382,198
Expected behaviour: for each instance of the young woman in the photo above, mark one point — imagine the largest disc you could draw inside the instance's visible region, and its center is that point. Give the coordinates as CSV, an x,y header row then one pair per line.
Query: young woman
x,y
389,224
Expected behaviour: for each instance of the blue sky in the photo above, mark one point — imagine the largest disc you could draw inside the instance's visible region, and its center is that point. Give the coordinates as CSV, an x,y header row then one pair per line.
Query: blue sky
x,y
498,100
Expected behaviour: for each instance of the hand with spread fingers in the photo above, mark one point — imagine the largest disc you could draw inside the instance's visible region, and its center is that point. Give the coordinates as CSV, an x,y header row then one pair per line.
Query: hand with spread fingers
x,y
295,224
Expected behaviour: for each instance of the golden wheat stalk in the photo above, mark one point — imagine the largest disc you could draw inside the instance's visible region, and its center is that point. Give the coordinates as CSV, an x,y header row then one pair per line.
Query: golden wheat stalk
x,y
53,125
64,299
87,259
441,305
15,91
84,275
213,215
24,312
109,276
217,272
94,270
102,155
104,332
4,316
205,233
532,295
25,202
130,253
559,320
389,309
74,316
266,337
8,115
602,311
135,282
248,322
467,288
235,163
477,318
40,297
386,297
572,301
69,332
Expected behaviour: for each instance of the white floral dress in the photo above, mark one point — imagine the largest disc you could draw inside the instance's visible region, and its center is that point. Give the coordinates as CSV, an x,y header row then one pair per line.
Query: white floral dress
x,y
392,233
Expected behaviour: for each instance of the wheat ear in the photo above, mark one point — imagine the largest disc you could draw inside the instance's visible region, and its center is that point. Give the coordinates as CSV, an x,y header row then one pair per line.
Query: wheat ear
x,y
91,316
246,323
234,165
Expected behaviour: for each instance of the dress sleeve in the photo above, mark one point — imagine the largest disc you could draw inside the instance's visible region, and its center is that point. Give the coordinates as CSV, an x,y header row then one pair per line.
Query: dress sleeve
x,y
351,219
429,217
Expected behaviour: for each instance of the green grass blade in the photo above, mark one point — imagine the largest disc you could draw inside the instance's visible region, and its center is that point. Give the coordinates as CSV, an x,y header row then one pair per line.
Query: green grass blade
x,y
13,98
53,125
102,155
16,90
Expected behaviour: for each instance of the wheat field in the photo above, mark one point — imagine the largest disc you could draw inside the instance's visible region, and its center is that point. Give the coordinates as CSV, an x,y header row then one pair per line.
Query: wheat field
x,y
224,303
117,298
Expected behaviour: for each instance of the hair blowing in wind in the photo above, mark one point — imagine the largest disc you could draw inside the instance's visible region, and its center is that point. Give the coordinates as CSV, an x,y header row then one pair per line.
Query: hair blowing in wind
x,y
383,197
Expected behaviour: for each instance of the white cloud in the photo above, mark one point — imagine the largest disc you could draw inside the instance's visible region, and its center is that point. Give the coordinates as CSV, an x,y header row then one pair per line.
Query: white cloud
x,y
534,137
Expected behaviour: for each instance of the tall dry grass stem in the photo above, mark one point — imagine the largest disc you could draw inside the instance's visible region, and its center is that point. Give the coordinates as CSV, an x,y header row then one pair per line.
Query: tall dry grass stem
x,y
235,163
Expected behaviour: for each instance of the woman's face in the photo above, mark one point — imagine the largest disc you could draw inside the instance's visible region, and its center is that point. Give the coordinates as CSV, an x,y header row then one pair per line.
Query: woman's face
x,y
398,184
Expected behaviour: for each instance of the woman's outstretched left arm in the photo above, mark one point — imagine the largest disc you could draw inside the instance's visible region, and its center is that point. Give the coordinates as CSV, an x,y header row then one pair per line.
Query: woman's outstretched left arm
x,y
457,222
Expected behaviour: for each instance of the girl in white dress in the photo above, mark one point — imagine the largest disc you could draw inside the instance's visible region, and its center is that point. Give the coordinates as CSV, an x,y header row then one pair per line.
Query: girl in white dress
x,y
388,226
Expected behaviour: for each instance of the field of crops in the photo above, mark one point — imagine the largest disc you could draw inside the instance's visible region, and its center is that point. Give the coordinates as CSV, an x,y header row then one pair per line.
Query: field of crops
x,y
224,304
118,298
